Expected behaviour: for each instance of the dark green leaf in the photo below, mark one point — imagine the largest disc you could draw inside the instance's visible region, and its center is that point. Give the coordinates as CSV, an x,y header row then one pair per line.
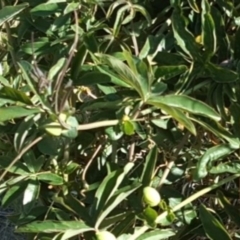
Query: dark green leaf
x,y
149,167
208,30
114,201
9,12
14,193
17,168
187,104
221,75
108,187
213,228
183,37
157,234
167,72
12,112
14,95
177,114
92,78
49,226
231,210
30,195
45,9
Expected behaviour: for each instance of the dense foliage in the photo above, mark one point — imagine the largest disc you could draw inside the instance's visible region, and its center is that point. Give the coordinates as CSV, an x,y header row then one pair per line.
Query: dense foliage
x,y
101,100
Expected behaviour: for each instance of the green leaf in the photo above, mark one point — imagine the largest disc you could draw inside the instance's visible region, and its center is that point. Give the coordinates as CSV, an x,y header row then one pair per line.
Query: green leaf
x,y
177,114
74,206
34,164
11,182
4,81
126,74
71,7
25,69
114,133
72,132
45,9
213,228
218,131
169,59
50,178
14,95
149,167
187,104
53,128
7,13
113,202
49,226
92,78
22,132
128,127
168,72
231,210
50,145
114,77
78,61
17,168
90,42
14,193
56,68
142,10
157,234
221,75
208,30
194,5
158,89
12,112
124,221
30,195
227,6
149,47
108,187
184,38
211,155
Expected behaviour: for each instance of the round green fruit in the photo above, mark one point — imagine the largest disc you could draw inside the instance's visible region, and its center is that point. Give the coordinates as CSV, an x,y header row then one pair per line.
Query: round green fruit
x,y
105,235
151,196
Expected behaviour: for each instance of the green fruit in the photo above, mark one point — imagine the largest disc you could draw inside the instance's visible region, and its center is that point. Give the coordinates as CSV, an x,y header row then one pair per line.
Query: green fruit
x,y
105,235
151,196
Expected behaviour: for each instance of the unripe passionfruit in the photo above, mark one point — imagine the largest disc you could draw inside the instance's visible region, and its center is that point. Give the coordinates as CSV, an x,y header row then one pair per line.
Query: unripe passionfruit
x,y
105,235
151,196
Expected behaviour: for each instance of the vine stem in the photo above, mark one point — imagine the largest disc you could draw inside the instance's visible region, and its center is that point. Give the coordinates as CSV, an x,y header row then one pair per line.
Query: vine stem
x,y
184,203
